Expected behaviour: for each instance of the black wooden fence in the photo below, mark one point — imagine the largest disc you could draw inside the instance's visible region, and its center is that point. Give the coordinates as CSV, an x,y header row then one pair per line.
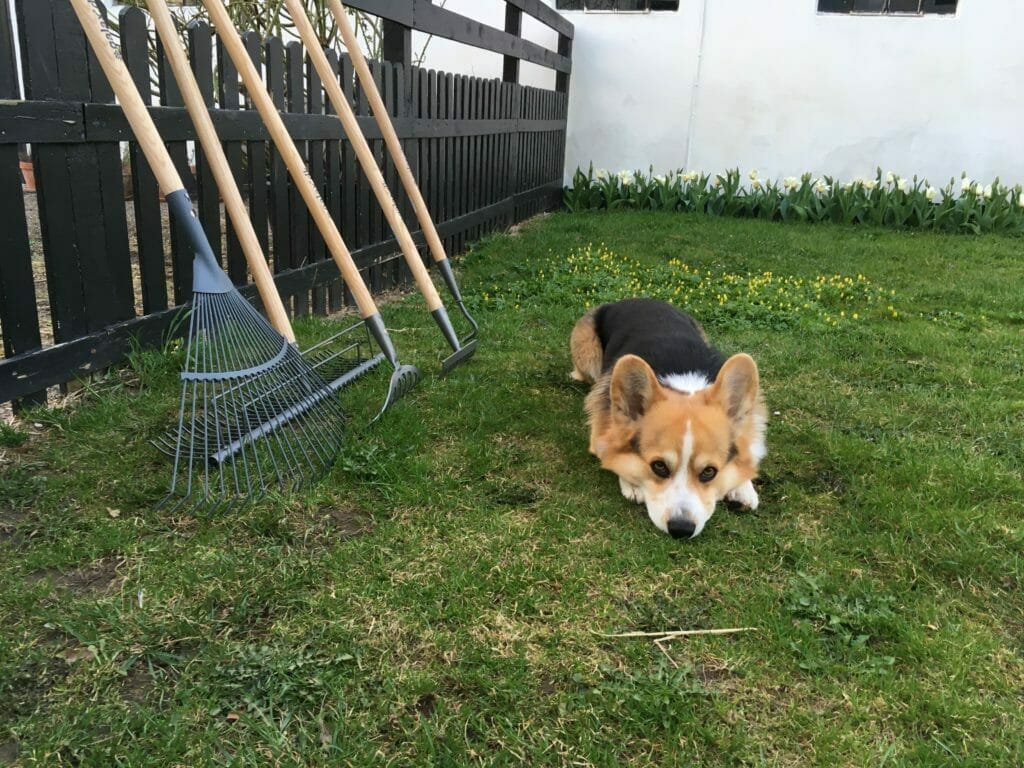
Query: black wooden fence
x,y
487,153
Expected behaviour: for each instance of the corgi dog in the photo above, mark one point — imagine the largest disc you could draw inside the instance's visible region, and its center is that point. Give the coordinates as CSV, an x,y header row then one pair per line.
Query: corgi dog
x,y
680,425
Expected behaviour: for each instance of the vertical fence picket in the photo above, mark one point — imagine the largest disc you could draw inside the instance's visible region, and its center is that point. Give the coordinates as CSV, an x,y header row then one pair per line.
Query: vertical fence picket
x,y
229,99
200,44
493,87
149,235
365,210
298,214
318,172
434,172
412,145
461,167
334,198
515,145
350,175
378,225
257,155
280,184
445,182
476,174
392,76
181,256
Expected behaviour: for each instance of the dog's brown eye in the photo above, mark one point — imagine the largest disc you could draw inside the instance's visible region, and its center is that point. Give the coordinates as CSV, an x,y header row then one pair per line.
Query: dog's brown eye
x,y
707,474
660,468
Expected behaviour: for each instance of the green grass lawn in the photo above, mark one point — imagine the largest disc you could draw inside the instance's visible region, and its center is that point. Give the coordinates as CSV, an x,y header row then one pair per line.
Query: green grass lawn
x,y
440,598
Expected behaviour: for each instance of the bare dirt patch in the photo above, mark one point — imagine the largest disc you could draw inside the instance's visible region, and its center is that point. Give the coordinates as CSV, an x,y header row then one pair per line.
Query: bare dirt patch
x,y
9,752
348,522
101,576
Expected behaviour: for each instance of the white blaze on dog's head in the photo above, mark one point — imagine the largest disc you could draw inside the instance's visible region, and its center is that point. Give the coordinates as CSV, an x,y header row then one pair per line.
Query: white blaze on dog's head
x,y
680,452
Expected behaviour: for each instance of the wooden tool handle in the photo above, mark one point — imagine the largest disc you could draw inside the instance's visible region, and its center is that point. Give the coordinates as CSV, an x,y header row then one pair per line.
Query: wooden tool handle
x,y
221,170
364,153
387,129
89,16
292,159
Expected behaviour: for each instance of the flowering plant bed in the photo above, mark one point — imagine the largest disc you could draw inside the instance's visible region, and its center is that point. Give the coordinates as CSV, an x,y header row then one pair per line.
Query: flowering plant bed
x,y
890,200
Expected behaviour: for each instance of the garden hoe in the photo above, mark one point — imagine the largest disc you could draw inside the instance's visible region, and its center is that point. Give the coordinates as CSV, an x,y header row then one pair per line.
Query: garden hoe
x,y
412,189
338,367
461,351
404,377
253,412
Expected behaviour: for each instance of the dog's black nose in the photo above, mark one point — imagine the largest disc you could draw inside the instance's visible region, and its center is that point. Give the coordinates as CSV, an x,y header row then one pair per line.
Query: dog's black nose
x,y
680,528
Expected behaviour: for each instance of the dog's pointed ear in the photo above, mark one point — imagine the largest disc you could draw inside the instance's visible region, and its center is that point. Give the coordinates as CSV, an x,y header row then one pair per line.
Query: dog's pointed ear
x,y
737,387
634,388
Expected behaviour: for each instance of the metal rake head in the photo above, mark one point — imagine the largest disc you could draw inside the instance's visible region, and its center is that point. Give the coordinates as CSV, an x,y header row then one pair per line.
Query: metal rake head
x,y
463,353
403,379
254,415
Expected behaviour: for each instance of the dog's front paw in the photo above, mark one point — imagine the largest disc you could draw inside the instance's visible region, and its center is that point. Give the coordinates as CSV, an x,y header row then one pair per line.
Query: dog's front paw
x,y
631,492
744,495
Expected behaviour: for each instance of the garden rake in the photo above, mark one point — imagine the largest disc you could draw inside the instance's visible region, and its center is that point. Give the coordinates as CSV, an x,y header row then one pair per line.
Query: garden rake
x,y
403,377
394,145
337,366
253,413
461,351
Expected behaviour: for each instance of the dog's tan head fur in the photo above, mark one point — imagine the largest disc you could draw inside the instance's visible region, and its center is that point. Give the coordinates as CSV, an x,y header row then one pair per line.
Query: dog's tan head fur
x,y
676,452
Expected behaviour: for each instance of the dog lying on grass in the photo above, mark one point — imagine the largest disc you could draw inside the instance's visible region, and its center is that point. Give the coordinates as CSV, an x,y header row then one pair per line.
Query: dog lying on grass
x,y
680,425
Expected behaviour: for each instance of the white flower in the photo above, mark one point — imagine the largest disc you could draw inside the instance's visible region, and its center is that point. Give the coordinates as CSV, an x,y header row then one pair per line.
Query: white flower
x,y
978,189
690,176
1020,201
626,179
752,175
965,185
931,193
790,182
660,179
717,182
890,178
848,186
870,184
902,184
756,184
987,192
821,187
601,174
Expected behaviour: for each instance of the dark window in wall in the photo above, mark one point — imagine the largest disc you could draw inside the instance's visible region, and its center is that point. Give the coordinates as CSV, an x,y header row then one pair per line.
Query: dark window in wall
x,y
888,7
617,5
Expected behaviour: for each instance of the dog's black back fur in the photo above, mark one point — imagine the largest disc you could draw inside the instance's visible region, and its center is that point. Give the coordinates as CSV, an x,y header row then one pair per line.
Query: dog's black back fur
x,y
669,341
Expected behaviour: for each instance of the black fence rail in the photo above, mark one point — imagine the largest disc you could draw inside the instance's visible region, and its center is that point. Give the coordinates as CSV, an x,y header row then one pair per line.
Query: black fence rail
x,y
89,265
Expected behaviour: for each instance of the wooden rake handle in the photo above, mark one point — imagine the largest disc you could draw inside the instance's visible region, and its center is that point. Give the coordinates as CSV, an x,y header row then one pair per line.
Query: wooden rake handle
x,y
387,129
292,159
124,88
225,179
364,153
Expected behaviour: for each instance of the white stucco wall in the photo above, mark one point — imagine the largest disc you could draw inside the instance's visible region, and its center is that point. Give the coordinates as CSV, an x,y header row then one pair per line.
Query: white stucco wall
x,y
774,85
836,94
